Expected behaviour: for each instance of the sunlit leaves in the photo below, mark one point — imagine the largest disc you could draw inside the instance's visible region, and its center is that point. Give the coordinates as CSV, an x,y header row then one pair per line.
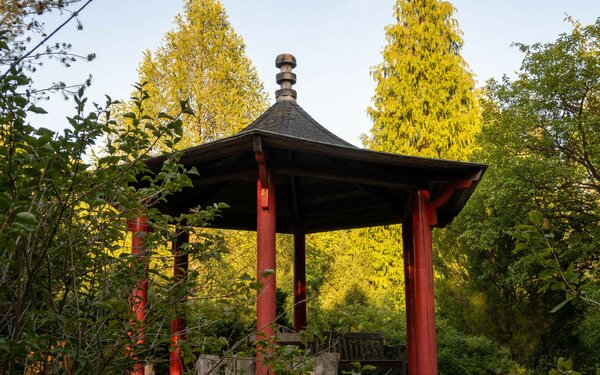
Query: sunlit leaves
x,y
201,70
424,103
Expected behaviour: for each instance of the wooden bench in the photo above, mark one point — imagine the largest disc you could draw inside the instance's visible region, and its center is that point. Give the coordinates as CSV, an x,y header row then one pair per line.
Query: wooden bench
x,y
366,349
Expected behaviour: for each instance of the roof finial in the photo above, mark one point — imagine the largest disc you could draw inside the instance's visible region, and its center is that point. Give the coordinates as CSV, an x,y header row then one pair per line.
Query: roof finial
x,y
285,78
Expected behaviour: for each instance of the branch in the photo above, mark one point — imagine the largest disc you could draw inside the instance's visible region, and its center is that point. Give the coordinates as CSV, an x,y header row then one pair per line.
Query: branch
x,y
75,14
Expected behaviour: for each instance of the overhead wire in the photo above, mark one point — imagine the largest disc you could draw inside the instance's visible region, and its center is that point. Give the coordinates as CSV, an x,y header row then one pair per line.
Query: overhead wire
x,y
43,41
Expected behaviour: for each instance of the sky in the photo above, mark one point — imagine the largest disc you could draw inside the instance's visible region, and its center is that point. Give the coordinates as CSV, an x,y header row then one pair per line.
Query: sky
x,y
335,42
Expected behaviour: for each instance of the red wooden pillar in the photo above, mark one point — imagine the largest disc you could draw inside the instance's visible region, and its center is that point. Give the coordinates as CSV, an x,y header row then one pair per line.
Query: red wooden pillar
x,y
299,282
180,269
139,297
265,232
409,284
423,216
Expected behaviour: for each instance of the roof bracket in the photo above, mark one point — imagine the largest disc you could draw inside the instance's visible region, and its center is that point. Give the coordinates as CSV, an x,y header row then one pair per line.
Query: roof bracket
x,y
257,145
263,173
449,190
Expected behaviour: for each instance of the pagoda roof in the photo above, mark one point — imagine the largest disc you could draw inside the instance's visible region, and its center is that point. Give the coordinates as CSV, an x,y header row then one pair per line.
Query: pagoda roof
x,y
322,182
289,119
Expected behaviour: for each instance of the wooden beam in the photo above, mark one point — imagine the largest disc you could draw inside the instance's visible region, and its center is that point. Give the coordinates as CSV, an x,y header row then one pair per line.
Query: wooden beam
x,y
294,200
299,282
208,179
265,265
424,315
336,176
139,296
409,287
180,270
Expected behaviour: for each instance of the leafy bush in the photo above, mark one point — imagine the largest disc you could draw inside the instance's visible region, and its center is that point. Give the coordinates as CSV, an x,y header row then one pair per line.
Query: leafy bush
x,y
66,269
360,318
461,354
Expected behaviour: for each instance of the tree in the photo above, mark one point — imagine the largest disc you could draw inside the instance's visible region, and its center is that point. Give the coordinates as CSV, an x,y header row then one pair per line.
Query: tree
x,y
424,105
20,23
540,137
424,102
203,60
550,116
66,271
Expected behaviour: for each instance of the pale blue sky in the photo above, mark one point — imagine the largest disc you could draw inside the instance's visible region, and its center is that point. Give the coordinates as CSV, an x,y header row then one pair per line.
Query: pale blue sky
x,y
335,42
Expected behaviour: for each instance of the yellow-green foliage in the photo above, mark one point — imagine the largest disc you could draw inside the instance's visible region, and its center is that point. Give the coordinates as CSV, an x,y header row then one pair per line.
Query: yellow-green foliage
x,y
351,267
365,268
203,61
424,103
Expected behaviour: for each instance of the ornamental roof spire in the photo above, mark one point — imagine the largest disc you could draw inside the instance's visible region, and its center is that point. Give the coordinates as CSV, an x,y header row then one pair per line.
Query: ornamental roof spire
x,y
286,62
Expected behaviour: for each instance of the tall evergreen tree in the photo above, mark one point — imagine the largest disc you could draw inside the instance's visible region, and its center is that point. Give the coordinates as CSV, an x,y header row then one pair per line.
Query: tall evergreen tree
x,y
203,60
424,103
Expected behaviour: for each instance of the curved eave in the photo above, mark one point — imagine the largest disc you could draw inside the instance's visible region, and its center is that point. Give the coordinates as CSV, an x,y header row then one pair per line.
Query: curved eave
x,y
320,186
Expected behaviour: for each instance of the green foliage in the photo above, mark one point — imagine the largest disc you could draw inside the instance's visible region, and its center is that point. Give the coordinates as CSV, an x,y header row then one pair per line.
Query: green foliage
x,y
353,278
548,121
220,326
286,359
540,137
462,354
424,103
65,269
564,367
357,369
588,332
360,318
535,240
281,313
203,60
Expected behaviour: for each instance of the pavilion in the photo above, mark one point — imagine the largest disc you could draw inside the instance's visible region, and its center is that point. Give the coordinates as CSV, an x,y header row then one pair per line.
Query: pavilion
x,y
285,173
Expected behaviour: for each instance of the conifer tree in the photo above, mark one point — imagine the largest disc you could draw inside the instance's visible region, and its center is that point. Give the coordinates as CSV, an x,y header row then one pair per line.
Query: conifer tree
x,y
203,60
424,102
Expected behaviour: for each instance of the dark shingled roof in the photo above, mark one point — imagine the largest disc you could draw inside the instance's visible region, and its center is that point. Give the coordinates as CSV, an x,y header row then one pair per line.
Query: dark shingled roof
x,y
321,181
289,119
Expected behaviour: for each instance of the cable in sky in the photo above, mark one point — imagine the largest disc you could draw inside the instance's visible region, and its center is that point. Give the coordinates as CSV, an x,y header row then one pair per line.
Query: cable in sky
x,y
75,14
